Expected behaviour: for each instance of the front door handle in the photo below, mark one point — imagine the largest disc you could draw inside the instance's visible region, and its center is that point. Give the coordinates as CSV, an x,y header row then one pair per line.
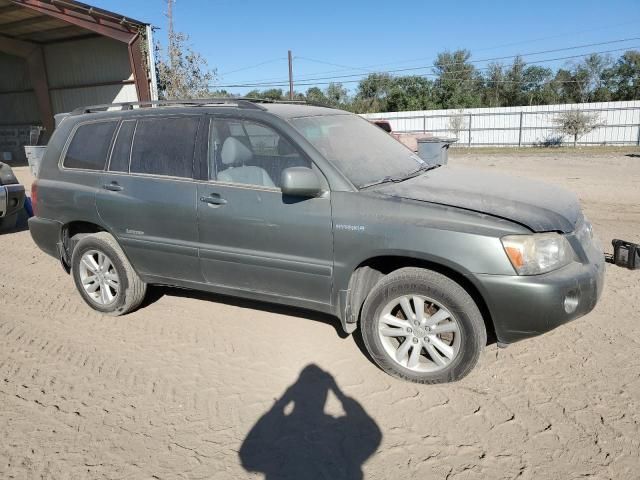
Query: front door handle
x,y
113,187
214,199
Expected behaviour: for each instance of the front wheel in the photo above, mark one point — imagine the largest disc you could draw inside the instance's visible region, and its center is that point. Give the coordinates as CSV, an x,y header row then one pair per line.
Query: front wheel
x,y
422,326
104,277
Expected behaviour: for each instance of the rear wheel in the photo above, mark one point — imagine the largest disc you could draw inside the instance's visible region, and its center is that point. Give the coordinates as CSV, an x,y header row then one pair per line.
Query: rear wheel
x,y
104,277
422,326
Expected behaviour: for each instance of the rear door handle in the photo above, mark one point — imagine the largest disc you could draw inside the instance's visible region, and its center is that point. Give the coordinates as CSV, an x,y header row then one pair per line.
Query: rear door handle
x,y
213,199
113,187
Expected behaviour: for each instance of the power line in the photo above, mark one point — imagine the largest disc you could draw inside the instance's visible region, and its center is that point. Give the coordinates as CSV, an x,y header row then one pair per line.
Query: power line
x,y
493,59
344,67
276,84
250,67
371,68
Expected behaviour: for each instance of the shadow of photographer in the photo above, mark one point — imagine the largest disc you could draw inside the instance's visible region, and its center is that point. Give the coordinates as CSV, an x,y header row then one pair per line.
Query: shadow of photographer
x,y
297,439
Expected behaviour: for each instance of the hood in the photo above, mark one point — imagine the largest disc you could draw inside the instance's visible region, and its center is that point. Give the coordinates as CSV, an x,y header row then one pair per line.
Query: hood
x,y
536,205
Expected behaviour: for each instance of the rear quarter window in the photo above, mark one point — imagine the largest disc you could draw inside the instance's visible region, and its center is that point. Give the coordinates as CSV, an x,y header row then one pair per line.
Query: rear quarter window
x,y
89,146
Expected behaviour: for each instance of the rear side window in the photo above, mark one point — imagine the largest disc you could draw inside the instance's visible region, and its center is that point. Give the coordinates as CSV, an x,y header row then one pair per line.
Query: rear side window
x,y
122,147
164,146
90,145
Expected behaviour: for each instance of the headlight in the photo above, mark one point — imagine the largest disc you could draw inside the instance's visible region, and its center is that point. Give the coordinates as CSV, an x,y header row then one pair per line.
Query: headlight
x,y
537,253
584,232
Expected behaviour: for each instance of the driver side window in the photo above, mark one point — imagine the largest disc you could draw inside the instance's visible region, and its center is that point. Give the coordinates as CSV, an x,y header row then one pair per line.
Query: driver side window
x,y
249,153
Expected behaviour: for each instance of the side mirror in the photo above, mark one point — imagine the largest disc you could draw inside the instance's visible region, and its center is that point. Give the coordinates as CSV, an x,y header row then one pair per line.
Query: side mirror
x,y
300,182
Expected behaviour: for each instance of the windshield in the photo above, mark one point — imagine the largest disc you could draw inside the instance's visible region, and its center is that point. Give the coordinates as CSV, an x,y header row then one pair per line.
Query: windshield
x,y
363,152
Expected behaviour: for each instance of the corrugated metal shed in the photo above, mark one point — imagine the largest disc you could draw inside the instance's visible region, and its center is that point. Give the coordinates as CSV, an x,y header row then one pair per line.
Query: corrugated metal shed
x,y
57,55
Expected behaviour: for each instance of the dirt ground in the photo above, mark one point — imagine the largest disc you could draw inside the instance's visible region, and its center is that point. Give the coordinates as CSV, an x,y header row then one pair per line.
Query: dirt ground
x,y
202,386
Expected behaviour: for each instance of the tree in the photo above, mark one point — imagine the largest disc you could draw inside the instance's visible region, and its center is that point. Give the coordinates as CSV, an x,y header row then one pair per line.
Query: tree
x,y
575,123
411,92
372,93
625,77
272,94
493,94
456,124
315,95
536,88
181,72
589,76
514,83
336,94
458,84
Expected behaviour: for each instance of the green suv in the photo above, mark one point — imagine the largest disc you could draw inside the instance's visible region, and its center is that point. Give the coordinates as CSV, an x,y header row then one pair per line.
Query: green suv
x,y
315,208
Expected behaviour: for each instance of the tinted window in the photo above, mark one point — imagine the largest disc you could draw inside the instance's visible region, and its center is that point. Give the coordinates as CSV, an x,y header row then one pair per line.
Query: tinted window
x,y
122,147
90,146
250,153
164,146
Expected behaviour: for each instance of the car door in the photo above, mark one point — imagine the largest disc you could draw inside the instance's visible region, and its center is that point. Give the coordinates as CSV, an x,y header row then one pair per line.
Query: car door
x,y
252,237
147,197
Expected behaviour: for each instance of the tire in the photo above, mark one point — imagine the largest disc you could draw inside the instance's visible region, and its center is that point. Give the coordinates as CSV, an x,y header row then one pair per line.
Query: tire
x,y
384,328
130,290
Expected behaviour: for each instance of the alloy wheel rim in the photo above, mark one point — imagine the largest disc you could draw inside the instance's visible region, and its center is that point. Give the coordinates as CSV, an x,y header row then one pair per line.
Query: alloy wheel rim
x,y
99,277
419,333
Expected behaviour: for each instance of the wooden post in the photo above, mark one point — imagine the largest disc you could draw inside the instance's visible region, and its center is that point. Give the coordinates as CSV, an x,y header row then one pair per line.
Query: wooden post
x,y
290,76
520,130
470,118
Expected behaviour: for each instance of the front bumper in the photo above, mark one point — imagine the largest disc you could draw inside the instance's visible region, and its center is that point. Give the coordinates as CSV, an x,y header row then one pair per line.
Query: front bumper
x,y
525,306
11,199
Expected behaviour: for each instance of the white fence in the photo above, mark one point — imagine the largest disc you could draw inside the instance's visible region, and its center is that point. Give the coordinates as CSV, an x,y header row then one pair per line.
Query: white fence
x,y
619,124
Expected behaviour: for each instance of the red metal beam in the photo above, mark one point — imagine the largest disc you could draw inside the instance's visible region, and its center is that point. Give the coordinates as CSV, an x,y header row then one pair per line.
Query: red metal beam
x,y
34,56
40,82
137,62
92,85
108,28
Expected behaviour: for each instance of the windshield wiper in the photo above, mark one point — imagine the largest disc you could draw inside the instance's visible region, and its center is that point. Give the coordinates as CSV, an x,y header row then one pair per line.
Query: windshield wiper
x,y
390,179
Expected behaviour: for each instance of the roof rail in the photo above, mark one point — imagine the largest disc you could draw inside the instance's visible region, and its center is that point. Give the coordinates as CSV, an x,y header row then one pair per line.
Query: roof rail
x,y
200,102
268,100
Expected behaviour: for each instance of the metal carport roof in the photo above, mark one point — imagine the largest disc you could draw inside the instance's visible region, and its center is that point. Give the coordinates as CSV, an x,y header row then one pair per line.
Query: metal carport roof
x,y
26,26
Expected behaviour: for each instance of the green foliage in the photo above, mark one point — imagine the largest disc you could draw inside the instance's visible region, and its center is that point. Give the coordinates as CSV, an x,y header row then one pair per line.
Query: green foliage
x,y
458,83
624,80
181,72
576,124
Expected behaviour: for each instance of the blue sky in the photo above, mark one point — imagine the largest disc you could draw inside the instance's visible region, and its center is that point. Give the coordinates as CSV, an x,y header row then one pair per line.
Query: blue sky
x,y
353,37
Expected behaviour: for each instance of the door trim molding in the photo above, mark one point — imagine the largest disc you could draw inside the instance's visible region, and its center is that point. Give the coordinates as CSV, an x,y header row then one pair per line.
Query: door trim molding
x,y
279,263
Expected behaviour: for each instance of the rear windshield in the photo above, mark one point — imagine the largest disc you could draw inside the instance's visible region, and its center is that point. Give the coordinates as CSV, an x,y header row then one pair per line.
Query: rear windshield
x,y
362,151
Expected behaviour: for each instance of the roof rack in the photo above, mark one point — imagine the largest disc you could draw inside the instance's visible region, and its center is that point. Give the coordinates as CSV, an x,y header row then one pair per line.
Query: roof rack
x,y
268,100
251,103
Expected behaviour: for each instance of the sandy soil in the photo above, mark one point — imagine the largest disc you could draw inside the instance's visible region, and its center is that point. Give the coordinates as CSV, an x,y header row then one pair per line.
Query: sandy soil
x,y
201,386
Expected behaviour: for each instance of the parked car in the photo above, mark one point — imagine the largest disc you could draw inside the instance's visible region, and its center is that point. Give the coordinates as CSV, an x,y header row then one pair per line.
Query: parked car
x,y
383,124
12,198
317,208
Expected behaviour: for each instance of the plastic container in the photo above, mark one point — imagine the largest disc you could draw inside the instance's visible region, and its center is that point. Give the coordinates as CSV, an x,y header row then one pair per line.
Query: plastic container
x,y
626,254
34,157
435,150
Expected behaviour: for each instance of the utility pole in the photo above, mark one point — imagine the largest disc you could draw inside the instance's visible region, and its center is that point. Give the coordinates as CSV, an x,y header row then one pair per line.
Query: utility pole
x,y
171,53
290,76
170,32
